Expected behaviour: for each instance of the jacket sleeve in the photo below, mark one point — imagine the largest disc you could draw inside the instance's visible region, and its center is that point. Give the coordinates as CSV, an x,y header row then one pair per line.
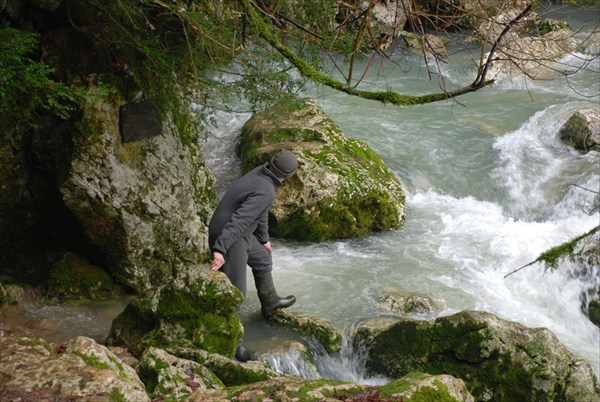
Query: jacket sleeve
x,y
244,216
262,230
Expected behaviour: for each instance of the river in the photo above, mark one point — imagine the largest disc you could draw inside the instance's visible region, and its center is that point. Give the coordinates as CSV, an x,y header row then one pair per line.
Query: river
x,y
488,188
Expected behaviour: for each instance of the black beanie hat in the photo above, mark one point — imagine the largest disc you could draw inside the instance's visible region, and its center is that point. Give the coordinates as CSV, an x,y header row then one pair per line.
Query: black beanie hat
x,y
284,164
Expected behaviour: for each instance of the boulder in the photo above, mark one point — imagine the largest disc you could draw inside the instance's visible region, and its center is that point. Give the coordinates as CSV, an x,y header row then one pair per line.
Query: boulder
x,y
498,359
172,378
342,188
196,309
582,130
533,47
73,277
10,294
230,372
143,204
416,387
427,44
313,327
425,387
387,19
409,303
33,369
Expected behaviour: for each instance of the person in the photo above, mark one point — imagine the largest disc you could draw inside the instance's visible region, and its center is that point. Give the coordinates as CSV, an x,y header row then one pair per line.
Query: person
x,y
238,234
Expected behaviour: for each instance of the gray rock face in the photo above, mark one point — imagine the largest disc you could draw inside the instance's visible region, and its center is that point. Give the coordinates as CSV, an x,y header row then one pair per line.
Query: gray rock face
x,y
342,188
499,360
582,130
144,204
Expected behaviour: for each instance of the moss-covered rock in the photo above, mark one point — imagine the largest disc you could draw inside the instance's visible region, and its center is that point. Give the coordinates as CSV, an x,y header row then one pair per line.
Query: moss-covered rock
x,y
319,329
10,294
73,277
230,372
197,309
582,130
172,378
593,311
33,369
144,204
342,188
498,359
419,387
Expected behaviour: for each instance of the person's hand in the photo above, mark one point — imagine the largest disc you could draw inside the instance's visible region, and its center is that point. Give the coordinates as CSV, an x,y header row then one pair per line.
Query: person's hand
x,y
268,247
217,261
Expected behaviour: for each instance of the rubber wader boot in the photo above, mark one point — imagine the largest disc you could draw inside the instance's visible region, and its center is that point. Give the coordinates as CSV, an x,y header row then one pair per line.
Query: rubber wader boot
x,y
268,297
243,354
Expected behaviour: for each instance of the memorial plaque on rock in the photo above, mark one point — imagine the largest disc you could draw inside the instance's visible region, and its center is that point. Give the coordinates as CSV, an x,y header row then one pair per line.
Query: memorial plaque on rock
x,y
138,121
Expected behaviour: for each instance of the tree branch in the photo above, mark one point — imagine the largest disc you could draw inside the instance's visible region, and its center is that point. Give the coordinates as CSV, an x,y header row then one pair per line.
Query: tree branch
x,y
311,73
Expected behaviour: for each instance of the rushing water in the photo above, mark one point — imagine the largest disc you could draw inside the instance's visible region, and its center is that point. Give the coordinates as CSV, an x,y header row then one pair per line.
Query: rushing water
x,y
489,187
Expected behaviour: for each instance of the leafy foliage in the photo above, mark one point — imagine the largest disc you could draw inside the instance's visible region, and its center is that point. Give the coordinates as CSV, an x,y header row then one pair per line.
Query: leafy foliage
x,y
26,86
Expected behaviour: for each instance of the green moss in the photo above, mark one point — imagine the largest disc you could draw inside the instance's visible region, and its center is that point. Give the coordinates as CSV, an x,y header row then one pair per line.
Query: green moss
x,y
594,312
93,361
74,277
552,256
116,395
36,342
439,393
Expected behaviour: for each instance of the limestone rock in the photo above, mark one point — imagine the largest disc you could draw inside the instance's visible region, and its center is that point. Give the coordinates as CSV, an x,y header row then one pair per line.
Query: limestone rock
x,y
10,294
582,130
230,372
409,303
387,19
197,309
144,205
342,188
73,277
33,369
428,387
498,359
324,332
171,377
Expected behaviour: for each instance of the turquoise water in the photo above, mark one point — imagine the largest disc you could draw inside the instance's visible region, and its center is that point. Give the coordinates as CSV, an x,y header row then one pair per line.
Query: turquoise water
x,y
489,187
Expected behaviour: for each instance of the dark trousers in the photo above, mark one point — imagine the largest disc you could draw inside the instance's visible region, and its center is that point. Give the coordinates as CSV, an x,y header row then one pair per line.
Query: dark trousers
x,y
246,251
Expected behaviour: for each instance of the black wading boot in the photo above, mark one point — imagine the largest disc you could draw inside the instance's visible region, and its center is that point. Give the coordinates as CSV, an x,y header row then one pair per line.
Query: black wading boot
x,y
268,297
244,354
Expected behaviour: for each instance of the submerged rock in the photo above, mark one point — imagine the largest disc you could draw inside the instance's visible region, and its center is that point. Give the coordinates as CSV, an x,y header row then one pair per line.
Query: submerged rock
x,y
342,188
499,360
582,130
409,303
197,309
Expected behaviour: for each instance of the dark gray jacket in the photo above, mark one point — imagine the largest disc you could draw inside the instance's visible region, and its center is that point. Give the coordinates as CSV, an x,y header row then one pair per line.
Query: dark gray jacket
x,y
243,210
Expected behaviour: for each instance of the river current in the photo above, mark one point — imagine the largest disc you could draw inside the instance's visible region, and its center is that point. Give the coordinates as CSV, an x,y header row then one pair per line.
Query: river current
x,y
488,188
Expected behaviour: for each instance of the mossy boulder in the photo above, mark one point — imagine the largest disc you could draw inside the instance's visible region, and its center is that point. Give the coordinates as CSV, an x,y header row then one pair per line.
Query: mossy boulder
x,y
342,188
33,369
413,388
230,372
10,294
197,309
73,277
314,327
172,378
499,360
143,204
582,130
